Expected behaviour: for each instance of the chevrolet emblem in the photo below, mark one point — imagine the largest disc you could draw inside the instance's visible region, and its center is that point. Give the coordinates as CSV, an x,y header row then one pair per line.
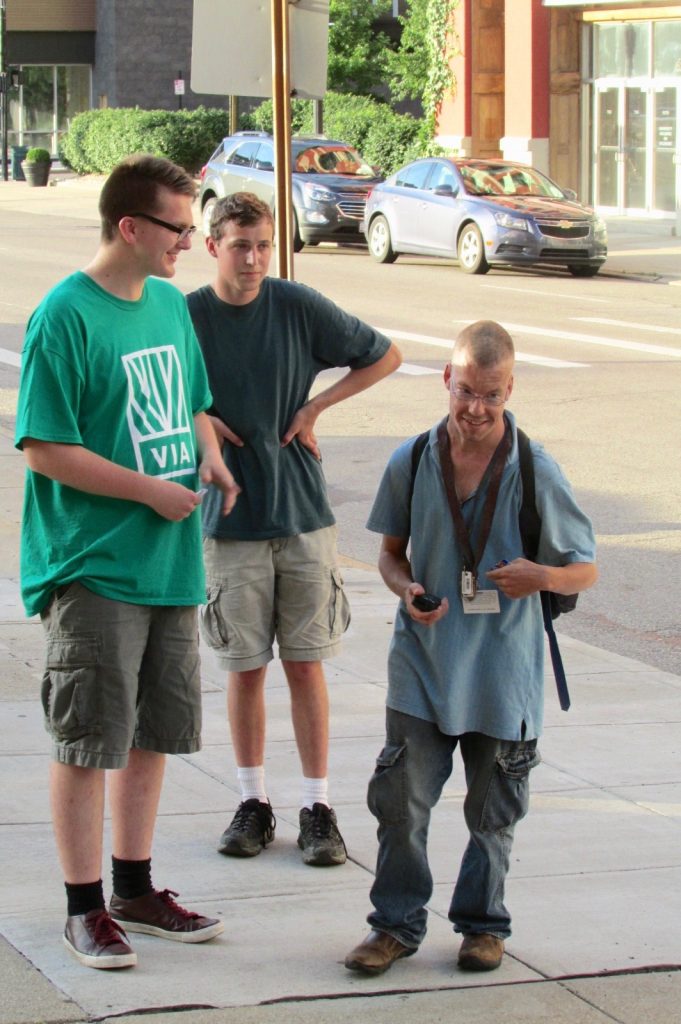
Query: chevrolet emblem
x,y
565,224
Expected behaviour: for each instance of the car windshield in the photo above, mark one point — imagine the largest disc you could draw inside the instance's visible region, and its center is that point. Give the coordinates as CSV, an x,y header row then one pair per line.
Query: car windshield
x,y
332,160
502,179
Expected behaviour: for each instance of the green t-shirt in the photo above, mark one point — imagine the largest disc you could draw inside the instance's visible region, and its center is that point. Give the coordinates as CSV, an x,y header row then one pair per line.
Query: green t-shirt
x,y
122,379
262,359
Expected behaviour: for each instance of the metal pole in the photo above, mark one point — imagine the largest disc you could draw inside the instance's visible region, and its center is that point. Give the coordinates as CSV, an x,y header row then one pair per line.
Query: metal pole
x,y
233,114
318,116
4,85
281,102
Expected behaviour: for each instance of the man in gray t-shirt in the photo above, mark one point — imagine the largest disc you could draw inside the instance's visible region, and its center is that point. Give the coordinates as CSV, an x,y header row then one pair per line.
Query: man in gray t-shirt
x,y
272,567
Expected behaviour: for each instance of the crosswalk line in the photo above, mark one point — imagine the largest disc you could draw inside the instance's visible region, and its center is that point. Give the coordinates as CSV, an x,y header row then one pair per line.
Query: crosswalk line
x,y
448,343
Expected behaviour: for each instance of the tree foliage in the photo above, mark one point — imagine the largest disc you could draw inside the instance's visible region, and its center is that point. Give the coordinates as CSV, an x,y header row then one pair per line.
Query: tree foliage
x,y
357,55
419,68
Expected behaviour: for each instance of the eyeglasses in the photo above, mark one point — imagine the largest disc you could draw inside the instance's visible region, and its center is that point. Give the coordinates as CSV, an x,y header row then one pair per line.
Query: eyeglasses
x,y
182,233
463,394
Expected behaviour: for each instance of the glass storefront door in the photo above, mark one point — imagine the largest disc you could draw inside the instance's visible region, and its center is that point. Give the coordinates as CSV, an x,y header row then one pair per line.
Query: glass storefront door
x,y
622,165
637,117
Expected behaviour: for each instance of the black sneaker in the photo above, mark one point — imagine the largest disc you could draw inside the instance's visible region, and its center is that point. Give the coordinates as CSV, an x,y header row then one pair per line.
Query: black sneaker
x,y
319,839
251,830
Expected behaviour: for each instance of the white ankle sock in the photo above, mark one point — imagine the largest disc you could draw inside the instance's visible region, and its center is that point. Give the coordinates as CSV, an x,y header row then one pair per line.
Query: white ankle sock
x,y
252,782
315,791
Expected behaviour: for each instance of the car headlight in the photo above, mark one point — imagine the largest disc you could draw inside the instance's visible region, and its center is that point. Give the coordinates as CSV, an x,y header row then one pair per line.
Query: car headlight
x,y
507,220
600,228
318,193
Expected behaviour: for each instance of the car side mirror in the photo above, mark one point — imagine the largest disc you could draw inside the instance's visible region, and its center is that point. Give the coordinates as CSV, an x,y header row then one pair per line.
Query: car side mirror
x,y
445,190
570,194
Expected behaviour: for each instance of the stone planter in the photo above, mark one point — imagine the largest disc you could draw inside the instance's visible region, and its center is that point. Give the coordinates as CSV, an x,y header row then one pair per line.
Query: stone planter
x,y
36,174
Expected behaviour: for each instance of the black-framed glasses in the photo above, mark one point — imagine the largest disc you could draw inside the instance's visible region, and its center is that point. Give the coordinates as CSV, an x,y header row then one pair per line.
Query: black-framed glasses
x,y
181,233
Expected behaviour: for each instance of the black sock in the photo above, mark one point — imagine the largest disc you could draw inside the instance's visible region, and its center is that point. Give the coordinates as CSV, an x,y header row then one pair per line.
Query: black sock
x,y
80,899
131,878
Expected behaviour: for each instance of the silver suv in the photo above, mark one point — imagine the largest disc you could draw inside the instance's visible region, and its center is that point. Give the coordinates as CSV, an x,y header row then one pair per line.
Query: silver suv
x,y
330,183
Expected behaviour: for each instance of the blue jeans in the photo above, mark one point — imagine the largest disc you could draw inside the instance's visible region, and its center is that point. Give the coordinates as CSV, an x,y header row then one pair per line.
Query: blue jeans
x,y
411,771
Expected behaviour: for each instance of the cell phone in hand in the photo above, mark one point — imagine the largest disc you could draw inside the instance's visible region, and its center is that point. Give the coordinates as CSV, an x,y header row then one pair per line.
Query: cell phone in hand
x,y
426,602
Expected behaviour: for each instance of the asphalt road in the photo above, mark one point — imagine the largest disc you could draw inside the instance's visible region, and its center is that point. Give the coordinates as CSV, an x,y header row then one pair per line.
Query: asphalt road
x,y
598,380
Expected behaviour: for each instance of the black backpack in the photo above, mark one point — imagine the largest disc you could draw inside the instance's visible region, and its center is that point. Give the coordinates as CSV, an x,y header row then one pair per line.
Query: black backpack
x,y
529,521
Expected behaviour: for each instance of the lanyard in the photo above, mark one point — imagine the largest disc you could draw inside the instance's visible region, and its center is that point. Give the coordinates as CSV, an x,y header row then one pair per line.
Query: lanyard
x,y
494,470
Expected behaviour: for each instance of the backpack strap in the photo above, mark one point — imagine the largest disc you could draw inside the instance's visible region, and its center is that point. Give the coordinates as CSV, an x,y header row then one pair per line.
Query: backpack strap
x,y
530,529
416,455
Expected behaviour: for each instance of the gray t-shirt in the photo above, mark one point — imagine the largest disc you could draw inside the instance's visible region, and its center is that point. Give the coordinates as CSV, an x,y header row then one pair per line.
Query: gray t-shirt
x,y
262,359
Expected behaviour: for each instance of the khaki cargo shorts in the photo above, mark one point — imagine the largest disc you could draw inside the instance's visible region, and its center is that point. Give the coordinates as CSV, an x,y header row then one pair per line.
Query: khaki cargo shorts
x,y
287,588
118,676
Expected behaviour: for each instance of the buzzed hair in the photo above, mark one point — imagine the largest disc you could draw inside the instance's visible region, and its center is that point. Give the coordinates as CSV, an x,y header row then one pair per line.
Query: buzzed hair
x,y
243,207
133,187
484,343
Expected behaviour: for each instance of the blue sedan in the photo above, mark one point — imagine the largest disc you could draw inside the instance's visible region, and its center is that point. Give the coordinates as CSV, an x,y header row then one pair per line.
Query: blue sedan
x,y
484,213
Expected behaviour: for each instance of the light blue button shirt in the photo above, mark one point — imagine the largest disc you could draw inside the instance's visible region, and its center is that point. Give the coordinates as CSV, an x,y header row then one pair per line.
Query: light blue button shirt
x,y
474,673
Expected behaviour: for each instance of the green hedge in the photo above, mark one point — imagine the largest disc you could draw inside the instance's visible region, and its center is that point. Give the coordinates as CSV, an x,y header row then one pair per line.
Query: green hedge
x,y
98,139
384,138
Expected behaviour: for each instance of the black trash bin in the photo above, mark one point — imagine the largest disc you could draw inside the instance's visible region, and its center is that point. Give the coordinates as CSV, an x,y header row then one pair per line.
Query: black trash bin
x,y
18,154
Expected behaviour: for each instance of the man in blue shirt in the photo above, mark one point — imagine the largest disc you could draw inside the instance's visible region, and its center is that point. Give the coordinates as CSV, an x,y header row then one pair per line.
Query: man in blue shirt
x,y
469,671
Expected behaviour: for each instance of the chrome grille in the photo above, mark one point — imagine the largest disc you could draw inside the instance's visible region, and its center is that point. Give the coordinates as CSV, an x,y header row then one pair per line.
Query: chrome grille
x,y
555,229
353,206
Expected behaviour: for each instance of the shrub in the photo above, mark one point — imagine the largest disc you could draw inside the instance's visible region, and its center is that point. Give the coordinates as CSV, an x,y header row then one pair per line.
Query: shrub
x,y
99,139
36,155
383,137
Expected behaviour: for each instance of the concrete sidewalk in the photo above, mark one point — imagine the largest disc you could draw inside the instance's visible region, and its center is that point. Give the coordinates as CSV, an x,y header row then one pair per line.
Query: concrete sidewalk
x,y
595,885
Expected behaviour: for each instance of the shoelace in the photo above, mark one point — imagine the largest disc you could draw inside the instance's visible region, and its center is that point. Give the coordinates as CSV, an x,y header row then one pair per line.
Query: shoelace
x,y
322,822
107,932
166,895
264,815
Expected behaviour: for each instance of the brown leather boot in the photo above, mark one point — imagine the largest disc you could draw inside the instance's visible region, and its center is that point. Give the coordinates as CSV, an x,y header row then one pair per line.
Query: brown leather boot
x,y
481,952
376,953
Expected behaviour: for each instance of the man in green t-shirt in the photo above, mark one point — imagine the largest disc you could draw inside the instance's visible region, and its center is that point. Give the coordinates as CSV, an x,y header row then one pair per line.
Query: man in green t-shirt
x,y
112,421
272,567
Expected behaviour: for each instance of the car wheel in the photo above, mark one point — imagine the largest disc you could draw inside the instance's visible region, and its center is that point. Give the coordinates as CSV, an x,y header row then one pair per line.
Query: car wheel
x,y
206,215
471,251
380,245
578,271
298,243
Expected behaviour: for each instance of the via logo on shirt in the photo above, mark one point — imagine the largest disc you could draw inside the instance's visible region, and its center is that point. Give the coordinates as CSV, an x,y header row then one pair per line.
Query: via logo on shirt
x,y
158,418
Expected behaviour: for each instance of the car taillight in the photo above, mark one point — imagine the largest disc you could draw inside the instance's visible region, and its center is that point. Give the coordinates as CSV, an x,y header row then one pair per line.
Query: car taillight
x,y
203,172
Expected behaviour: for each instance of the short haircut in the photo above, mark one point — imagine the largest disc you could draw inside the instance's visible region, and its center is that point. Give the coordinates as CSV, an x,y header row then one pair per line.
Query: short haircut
x,y
134,185
243,207
484,343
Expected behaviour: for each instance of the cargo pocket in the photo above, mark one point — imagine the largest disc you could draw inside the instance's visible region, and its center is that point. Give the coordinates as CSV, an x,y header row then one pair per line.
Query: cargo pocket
x,y
387,795
339,616
213,623
69,693
508,796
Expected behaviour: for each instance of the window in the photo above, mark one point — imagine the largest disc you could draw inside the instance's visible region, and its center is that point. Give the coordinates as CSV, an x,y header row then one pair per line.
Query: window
x,y
41,109
243,154
443,175
415,175
667,43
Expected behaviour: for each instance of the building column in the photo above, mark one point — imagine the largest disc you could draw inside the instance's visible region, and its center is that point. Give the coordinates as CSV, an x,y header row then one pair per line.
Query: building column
x,y
527,95
454,116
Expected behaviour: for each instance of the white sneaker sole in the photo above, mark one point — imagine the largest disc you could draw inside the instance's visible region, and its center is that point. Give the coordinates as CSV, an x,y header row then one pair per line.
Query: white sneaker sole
x,y
149,929
104,963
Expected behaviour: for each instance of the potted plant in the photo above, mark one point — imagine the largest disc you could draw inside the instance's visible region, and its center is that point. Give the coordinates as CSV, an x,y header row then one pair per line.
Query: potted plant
x,y
36,166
